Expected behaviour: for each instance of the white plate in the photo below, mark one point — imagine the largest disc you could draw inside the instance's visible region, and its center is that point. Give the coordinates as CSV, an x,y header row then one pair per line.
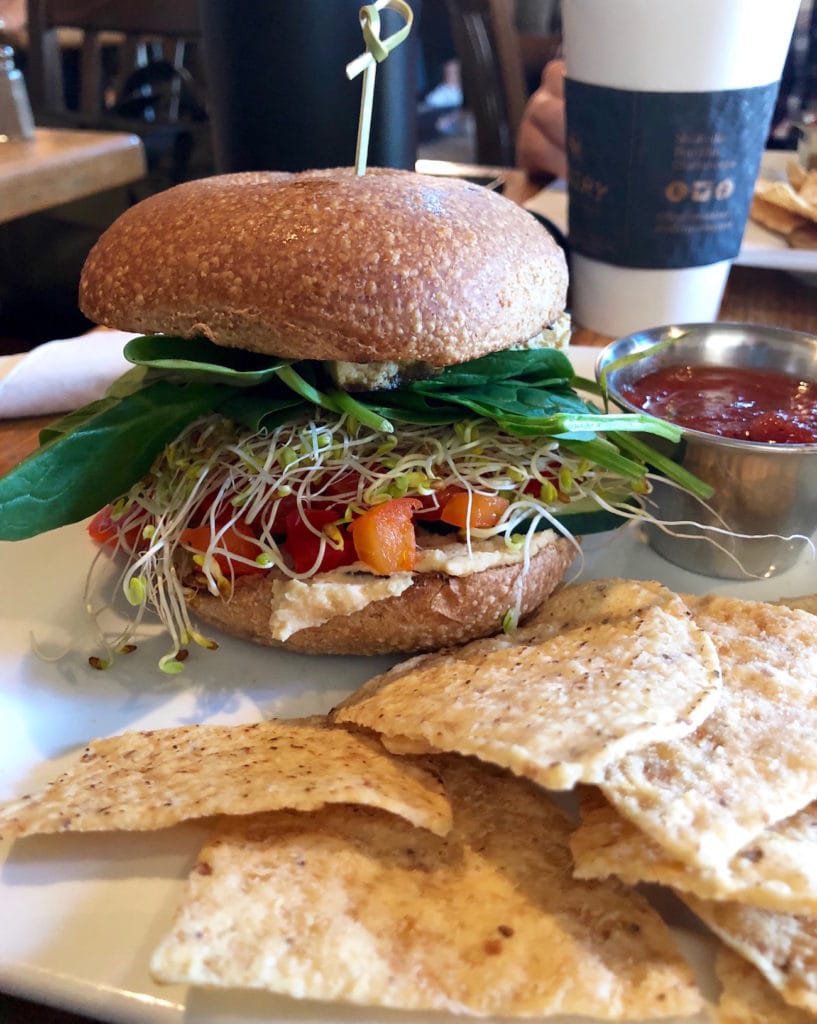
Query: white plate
x,y
81,913
759,248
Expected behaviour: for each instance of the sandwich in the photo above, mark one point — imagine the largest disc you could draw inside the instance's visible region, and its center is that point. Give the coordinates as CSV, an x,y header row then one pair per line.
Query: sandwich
x,y
350,427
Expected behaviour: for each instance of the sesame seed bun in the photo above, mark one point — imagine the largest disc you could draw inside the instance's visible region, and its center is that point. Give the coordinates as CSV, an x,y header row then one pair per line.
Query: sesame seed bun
x,y
436,611
327,265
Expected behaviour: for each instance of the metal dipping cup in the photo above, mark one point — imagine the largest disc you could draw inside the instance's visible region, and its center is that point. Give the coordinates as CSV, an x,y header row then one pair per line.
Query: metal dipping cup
x,y
765,491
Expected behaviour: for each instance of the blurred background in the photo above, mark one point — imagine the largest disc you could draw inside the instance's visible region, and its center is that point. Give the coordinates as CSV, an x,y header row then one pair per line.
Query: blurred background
x,y
213,85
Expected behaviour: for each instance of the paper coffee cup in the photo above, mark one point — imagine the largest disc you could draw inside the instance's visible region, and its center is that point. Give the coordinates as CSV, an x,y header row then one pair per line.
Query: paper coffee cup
x,y
668,108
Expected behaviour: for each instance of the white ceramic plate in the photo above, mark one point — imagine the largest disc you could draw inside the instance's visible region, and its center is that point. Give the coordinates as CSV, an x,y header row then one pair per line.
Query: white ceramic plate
x,y
759,248
80,914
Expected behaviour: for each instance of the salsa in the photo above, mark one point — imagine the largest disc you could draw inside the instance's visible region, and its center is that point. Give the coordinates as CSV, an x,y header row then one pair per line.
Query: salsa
x,y
747,404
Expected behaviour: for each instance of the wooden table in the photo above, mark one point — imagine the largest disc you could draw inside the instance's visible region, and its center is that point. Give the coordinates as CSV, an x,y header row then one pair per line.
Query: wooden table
x,y
62,164
760,296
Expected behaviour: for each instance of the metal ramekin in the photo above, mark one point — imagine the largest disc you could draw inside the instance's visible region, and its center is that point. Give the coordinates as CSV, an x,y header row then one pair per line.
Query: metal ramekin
x,y
766,491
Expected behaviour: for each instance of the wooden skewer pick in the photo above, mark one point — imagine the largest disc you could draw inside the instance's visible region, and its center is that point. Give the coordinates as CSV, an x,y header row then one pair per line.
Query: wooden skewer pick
x,y
377,50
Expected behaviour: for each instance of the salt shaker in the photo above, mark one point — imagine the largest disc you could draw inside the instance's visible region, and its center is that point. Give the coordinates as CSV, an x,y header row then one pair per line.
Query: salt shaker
x,y
16,121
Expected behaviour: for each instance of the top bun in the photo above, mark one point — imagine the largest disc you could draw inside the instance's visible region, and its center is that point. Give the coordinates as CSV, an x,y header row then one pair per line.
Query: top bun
x,y
329,265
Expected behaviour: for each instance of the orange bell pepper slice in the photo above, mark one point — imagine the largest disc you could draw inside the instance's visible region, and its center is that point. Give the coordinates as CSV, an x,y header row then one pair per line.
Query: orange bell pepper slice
x,y
384,536
483,510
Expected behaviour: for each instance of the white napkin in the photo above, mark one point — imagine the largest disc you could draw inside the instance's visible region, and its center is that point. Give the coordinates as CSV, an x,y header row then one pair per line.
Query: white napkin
x,y
61,375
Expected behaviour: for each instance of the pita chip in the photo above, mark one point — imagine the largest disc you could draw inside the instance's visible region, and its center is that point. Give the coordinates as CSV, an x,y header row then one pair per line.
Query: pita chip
x,y
783,947
777,870
150,780
753,762
747,998
348,905
605,667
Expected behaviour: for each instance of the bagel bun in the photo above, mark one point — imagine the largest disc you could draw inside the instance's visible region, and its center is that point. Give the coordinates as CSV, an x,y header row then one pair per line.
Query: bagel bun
x,y
328,265
436,611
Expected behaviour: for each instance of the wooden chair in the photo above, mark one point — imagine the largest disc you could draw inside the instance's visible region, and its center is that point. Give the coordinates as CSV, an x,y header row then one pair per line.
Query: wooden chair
x,y
493,83
140,29
138,72
493,57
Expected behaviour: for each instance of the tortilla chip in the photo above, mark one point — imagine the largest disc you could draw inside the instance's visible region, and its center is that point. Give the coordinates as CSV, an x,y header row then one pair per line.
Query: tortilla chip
x,y
148,780
777,870
347,904
783,947
747,998
753,762
805,602
781,194
606,667
804,236
796,173
807,189
775,218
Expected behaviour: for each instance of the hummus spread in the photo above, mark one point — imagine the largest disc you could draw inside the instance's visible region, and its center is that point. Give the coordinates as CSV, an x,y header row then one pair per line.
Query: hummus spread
x,y
453,558
297,604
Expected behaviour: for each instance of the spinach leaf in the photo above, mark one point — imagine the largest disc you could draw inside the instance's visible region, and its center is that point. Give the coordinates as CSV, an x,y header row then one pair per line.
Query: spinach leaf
x,y
77,472
255,408
411,407
95,454
199,359
365,414
496,399
664,464
129,382
302,382
543,367
74,420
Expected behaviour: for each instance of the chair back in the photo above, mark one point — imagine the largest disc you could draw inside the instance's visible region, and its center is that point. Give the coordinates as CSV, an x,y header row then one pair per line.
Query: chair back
x,y
488,48
141,30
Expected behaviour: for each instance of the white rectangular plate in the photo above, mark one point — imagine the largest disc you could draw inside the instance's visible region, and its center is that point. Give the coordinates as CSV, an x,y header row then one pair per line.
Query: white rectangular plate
x,y
80,914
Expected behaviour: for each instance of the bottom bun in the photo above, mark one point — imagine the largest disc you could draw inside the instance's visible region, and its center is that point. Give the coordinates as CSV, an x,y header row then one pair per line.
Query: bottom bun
x,y
435,611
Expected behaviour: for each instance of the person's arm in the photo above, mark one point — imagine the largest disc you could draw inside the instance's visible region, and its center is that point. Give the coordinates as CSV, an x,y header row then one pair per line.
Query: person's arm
x,y
540,143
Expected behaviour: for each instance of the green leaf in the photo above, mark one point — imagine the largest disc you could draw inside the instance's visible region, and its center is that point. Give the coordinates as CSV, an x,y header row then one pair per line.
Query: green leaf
x,y
665,465
591,387
415,409
542,366
129,382
298,383
95,454
365,414
606,455
493,400
256,408
635,357
200,360
73,420
78,472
